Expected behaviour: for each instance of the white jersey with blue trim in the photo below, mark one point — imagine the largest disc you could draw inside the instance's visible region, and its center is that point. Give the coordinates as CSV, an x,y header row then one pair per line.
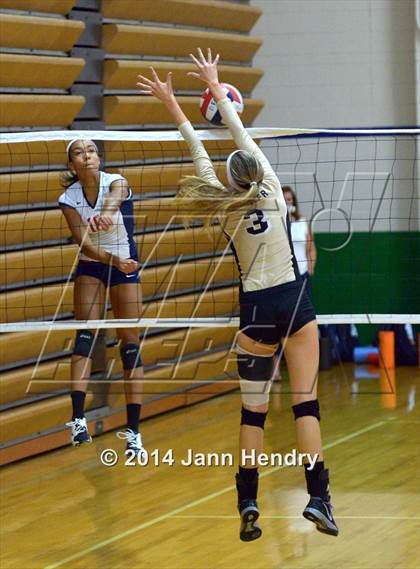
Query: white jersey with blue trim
x,y
118,240
259,238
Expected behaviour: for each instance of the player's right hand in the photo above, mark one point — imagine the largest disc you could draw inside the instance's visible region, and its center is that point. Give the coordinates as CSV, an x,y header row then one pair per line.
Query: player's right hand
x,y
163,90
127,265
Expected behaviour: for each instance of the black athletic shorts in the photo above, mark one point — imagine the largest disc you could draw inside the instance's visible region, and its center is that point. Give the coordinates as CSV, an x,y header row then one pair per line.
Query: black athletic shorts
x,y
269,314
108,274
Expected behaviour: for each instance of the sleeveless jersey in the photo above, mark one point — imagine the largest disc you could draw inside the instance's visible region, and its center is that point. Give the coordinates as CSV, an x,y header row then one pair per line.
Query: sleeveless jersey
x,y
119,239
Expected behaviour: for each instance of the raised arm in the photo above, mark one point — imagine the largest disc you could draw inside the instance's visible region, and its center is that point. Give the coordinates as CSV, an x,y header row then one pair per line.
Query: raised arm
x,y
207,72
164,92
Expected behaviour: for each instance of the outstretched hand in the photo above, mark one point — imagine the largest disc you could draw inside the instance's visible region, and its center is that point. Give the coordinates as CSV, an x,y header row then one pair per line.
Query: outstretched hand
x,y
206,68
162,90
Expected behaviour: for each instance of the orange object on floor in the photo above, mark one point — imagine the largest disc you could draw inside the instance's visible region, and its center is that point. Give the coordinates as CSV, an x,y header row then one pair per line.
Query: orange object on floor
x,y
386,350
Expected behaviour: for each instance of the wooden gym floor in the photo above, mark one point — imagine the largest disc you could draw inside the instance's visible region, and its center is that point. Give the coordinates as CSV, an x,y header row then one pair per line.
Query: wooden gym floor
x,y
65,509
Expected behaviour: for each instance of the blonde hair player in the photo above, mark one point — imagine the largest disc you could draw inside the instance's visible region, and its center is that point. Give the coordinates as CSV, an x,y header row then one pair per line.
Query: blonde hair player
x,y
98,209
273,303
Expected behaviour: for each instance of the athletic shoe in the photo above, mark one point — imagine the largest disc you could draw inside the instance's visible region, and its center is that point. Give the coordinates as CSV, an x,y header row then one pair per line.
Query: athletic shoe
x,y
250,529
79,431
319,512
133,442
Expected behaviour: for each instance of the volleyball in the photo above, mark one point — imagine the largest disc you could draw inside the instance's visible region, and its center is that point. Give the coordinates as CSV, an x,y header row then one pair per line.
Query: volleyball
x,y
209,108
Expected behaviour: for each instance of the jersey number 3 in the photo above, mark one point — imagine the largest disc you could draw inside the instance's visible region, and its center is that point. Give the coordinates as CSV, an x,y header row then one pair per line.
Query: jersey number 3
x,y
259,224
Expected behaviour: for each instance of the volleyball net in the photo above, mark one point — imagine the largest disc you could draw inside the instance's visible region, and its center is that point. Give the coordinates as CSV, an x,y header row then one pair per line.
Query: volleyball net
x,y
358,190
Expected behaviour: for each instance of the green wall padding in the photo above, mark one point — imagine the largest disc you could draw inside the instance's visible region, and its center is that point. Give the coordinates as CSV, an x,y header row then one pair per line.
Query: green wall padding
x,y
373,273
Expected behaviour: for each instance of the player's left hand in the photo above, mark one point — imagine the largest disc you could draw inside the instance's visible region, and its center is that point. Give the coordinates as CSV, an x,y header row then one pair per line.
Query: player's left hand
x,y
206,68
99,223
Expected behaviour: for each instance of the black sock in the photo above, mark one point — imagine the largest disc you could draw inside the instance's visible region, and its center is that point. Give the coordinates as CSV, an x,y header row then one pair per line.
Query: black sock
x,y
247,483
133,416
78,403
317,480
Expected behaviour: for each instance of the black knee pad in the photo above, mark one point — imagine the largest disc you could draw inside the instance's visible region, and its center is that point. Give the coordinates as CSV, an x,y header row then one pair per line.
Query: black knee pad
x,y
253,418
255,368
130,356
307,408
83,343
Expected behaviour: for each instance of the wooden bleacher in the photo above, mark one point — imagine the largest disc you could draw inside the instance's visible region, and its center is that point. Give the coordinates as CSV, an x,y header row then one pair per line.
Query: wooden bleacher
x,y
39,71
52,6
122,74
202,13
39,110
121,40
155,41
36,32
119,109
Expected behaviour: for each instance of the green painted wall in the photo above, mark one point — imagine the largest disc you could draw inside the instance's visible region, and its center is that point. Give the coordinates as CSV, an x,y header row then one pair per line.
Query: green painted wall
x,y
373,273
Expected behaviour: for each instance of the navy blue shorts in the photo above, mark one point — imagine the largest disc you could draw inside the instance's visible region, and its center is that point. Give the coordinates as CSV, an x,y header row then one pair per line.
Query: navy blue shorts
x,y
108,274
273,313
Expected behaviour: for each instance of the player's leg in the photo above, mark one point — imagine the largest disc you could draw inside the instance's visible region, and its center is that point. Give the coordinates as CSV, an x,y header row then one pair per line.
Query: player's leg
x,y
302,355
126,302
255,368
89,294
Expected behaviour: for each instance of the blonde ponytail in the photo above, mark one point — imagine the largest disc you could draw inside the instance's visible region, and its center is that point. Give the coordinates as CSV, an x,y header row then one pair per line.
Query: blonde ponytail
x,y
197,199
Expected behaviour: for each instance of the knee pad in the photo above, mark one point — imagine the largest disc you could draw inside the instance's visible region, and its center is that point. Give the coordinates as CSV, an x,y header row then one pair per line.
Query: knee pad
x,y
83,343
255,373
307,409
254,368
255,393
253,418
130,356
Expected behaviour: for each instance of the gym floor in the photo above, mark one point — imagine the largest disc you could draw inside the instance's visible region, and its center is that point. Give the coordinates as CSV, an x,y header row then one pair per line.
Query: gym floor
x,y
66,509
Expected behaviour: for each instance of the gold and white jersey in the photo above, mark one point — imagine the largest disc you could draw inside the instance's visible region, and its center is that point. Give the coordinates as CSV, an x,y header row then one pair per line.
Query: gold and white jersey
x,y
259,237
